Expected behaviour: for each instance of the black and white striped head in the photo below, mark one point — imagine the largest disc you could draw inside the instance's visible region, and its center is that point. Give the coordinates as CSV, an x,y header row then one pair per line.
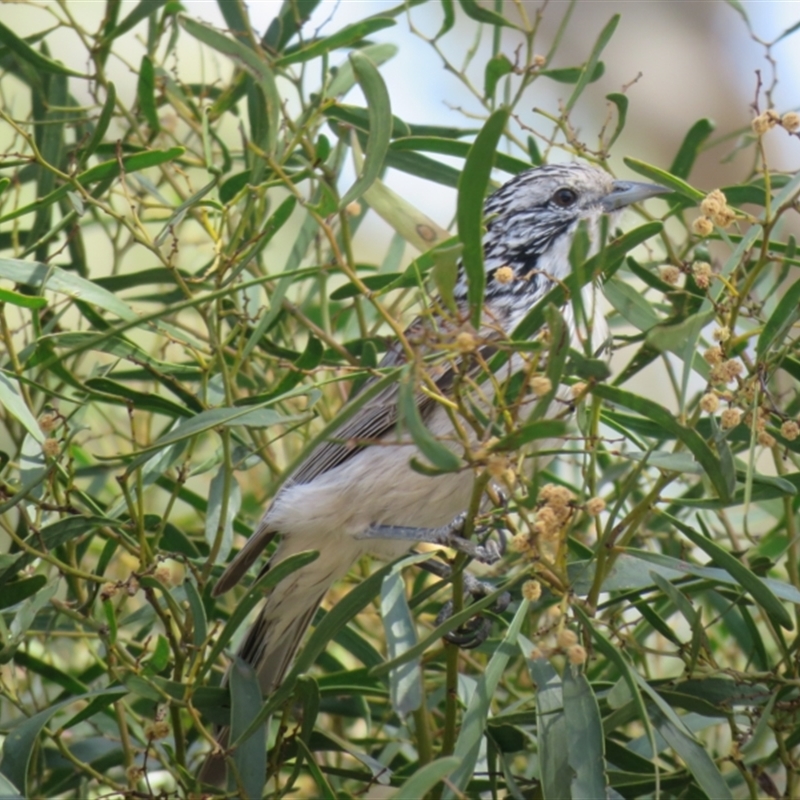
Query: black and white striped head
x,y
531,223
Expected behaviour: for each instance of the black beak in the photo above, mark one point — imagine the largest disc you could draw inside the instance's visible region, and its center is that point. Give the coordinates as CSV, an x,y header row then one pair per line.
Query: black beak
x,y
623,193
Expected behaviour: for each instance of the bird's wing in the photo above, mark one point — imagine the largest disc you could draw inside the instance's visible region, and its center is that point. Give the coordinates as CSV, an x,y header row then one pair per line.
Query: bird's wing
x,y
374,419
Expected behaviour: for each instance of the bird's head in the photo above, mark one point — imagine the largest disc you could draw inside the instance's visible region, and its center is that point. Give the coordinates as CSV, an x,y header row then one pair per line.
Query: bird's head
x,y
531,221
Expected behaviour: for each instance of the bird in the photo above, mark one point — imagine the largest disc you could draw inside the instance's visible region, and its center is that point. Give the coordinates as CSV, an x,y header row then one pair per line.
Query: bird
x,y
357,493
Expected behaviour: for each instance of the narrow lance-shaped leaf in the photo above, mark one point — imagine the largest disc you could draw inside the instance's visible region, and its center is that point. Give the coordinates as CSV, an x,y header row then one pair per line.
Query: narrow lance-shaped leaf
x,y
621,102
441,456
344,38
108,169
250,755
405,681
471,192
662,417
145,91
748,580
249,60
780,320
585,739
380,124
469,738
665,179
477,12
101,126
589,68
25,52
690,147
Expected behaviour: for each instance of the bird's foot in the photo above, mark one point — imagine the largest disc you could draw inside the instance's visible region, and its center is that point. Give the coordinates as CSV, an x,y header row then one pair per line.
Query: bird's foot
x,y
475,631
449,535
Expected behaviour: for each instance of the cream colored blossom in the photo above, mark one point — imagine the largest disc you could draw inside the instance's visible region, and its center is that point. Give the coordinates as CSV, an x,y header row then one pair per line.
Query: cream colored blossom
x,y
566,638
730,418
791,121
504,274
595,506
540,385
721,334
713,356
703,226
709,402
669,274
577,654
767,439
466,342
51,447
790,430
532,590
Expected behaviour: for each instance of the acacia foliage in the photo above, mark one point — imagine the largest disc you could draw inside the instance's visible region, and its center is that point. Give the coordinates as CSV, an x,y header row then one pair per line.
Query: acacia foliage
x,y
183,311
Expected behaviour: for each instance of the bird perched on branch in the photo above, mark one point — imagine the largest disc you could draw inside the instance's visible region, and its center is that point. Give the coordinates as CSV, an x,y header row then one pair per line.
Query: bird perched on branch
x,y
357,492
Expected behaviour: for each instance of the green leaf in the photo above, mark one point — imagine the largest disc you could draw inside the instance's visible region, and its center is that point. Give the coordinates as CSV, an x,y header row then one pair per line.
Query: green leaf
x,y
101,126
690,147
459,149
415,227
664,419
621,102
20,741
179,213
344,80
108,169
425,778
551,729
249,60
289,21
146,401
25,52
496,68
222,498
748,580
198,613
477,12
471,192
629,304
594,58
250,754
584,735
665,179
16,591
12,400
441,456
405,681
449,19
380,125
145,91
530,432
468,743
573,74
691,752
140,13
257,417
346,37
613,653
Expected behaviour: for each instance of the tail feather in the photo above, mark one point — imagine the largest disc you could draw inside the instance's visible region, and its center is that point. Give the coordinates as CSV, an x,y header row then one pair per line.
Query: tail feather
x,y
245,558
270,647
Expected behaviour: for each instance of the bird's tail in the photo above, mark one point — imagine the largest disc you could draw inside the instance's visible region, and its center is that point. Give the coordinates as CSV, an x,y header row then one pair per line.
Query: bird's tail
x,y
270,647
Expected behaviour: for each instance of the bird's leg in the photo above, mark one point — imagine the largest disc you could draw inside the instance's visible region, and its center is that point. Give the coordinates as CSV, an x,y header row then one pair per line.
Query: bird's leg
x,y
476,631
447,535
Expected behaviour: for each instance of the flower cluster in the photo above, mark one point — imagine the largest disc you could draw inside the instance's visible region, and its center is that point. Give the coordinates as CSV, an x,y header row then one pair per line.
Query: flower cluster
x,y
716,211
770,118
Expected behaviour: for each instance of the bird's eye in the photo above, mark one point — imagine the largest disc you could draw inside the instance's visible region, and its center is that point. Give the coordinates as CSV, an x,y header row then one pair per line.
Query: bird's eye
x,y
565,197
